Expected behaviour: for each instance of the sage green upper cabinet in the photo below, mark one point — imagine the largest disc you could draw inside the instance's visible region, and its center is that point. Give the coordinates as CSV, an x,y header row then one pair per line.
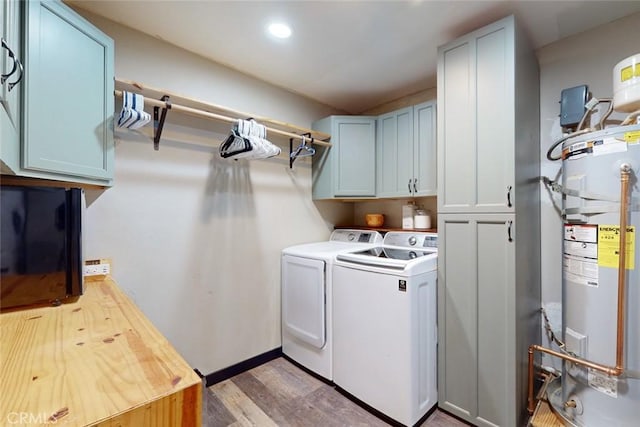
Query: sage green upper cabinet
x,y
478,77
407,152
347,169
395,154
11,67
67,96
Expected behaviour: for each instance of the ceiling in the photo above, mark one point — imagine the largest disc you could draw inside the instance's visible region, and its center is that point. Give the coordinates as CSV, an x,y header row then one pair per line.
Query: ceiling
x,y
351,55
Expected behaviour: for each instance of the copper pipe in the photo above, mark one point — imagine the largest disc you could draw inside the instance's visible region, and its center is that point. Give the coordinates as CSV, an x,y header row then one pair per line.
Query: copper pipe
x,y
530,399
609,370
618,369
625,170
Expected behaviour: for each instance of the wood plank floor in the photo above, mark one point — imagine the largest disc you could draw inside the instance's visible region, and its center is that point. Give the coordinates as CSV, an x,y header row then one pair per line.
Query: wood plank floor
x,y
279,393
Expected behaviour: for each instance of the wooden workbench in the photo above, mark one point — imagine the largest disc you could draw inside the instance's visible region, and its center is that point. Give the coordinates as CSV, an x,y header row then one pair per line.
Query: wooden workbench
x,y
96,361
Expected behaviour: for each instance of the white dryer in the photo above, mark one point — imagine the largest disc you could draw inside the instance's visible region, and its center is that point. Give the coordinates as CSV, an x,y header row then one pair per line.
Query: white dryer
x,y
307,331
384,316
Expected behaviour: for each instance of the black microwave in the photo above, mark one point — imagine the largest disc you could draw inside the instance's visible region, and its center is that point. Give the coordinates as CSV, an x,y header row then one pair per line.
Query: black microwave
x,y
41,257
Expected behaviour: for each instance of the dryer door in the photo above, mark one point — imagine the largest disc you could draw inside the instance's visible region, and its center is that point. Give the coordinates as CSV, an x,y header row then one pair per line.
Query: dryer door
x,y
303,299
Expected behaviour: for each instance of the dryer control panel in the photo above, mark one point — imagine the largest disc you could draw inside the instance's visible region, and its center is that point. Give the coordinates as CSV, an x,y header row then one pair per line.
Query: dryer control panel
x,y
356,236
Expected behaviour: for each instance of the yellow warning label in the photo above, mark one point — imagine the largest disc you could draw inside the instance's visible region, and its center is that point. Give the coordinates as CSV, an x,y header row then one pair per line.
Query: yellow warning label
x,y
609,243
632,137
627,73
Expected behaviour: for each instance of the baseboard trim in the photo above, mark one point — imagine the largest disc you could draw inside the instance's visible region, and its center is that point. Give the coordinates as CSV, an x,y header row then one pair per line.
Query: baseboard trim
x,y
238,368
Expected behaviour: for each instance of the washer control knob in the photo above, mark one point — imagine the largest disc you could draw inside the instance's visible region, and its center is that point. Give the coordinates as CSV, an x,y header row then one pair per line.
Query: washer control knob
x,y
413,240
351,237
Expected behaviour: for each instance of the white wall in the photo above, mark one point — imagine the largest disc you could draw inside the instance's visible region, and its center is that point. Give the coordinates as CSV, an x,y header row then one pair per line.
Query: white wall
x,y
587,58
195,240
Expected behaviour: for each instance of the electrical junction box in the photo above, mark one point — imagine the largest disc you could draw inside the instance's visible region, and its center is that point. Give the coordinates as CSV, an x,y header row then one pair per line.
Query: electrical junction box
x,y
572,105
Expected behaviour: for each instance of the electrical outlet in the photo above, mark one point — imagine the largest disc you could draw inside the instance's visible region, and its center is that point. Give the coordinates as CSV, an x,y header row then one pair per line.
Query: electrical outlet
x,y
96,268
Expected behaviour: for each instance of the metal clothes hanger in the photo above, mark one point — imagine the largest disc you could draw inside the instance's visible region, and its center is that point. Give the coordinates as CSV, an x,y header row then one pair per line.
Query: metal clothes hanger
x,y
235,143
308,151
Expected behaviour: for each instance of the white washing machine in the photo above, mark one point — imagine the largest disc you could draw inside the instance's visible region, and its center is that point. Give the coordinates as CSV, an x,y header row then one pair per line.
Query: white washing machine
x,y
307,295
384,316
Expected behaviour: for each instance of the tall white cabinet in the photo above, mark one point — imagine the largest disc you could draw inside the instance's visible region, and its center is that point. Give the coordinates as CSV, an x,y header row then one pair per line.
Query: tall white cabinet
x,y
488,223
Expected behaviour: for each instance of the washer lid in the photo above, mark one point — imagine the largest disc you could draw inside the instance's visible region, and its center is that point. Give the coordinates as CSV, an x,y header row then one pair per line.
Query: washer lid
x,y
343,240
393,258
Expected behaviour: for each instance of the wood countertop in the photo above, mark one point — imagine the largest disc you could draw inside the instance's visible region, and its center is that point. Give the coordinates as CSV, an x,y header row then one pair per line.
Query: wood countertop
x,y
95,361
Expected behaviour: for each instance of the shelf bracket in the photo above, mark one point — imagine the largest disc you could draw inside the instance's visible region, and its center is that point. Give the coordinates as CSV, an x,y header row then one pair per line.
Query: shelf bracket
x,y
294,155
291,157
159,125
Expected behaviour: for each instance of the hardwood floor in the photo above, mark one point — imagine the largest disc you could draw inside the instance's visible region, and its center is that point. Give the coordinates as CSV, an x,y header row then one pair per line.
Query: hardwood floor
x,y
278,393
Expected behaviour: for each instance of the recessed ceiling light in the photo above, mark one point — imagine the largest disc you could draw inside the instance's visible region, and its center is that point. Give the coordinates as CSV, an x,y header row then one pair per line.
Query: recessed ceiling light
x,y
280,30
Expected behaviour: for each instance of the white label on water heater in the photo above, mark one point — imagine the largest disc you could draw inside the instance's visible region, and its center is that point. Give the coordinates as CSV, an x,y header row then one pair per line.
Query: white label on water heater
x,y
581,233
580,270
603,383
608,146
579,261
581,249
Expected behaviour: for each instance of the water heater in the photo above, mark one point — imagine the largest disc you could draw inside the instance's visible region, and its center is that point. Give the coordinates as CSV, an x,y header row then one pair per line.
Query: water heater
x,y
592,166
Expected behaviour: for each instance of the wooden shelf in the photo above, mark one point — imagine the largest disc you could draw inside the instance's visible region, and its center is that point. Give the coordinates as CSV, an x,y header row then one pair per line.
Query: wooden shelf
x,y
386,229
155,94
96,361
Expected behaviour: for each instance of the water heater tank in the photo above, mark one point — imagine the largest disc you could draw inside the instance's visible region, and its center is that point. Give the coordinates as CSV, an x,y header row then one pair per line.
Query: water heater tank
x,y
591,179
626,84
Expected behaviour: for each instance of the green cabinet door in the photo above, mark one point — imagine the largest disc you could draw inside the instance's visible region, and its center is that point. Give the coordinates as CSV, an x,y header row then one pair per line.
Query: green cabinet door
x,y
355,174
488,133
424,149
477,321
347,169
10,90
68,96
395,149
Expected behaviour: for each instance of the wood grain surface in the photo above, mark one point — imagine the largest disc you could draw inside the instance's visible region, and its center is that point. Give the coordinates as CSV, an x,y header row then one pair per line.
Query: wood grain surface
x,y
91,361
278,393
544,417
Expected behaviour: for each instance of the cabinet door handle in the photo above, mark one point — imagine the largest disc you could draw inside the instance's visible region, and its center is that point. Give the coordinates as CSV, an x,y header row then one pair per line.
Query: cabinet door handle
x,y
509,225
13,84
409,185
415,187
4,77
509,188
